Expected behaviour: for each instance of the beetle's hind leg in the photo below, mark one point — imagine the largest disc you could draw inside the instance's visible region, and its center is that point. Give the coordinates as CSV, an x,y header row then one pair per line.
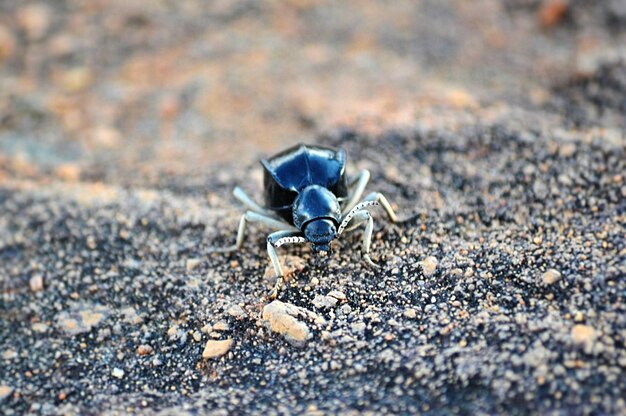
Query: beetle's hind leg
x,y
251,216
359,183
357,219
275,240
250,203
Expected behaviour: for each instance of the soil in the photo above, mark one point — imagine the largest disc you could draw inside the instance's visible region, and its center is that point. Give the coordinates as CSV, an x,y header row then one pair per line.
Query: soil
x,y
496,129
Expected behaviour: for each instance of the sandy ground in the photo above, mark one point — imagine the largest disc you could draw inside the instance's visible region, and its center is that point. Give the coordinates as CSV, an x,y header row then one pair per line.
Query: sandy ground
x,y
496,128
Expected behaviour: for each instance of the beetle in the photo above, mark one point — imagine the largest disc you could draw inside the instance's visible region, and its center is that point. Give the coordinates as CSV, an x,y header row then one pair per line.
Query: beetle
x,y
309,198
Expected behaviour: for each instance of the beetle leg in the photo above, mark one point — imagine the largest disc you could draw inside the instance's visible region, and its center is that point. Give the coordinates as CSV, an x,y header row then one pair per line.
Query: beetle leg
x,y
367,240
249,202
275,240
358,218
361,182
353,213
382,201
252,216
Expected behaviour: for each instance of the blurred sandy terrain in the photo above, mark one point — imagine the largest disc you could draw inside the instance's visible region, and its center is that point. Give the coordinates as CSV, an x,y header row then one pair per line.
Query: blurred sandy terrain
x,y
106,89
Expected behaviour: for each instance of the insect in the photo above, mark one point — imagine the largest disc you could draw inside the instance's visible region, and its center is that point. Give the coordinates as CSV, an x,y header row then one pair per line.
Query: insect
x,y
309,198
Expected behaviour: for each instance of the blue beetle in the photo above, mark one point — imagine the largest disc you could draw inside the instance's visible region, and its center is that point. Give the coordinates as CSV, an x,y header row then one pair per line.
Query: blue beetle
x,y
309,198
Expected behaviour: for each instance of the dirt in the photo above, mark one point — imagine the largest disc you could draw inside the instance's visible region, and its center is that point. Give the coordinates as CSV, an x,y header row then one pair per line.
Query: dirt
x,y
496,129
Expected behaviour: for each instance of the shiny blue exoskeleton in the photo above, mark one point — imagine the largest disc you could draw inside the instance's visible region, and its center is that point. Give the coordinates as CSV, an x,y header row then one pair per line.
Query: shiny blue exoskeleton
x,y
305,185
308,198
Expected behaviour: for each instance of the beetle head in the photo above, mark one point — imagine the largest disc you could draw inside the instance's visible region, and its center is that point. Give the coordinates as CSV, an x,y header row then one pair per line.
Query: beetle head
x,y
316,212
320,233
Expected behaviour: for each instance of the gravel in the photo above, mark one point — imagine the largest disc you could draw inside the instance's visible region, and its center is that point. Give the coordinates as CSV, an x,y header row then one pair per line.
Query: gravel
x,y
503,151
453,320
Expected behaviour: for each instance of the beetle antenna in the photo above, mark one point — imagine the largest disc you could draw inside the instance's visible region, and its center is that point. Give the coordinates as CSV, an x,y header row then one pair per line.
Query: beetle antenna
x,y
358,207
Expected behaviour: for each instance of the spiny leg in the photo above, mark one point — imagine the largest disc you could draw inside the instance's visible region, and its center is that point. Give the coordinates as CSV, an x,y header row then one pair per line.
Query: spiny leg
x,y
380,199
274,241
252,216
249,202
361,182
358,218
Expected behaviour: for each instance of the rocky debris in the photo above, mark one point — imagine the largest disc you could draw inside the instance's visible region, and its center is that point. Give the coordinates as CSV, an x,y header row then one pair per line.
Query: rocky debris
x,y
131,316
9,354
40,327
358,326
283,318
429,265
117,373
550,277
144,349
192,264
337,294
410,313
237,311
36,283
221,326
5,392
173,333
583,334
324,302
81,318
216,348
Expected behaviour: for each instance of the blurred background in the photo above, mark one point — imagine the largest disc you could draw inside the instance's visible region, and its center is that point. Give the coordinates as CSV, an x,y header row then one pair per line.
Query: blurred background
x,y
126,91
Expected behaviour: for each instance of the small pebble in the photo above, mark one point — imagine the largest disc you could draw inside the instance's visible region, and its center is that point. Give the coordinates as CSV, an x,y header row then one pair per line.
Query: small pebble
x,y
410,313
221,326
337,295
324,302
172,332
216,348
236,311
81,319
582,334
551,276
144,350
36,283
40,327
5,391
117,373
282,318
192,264
429,265
358,327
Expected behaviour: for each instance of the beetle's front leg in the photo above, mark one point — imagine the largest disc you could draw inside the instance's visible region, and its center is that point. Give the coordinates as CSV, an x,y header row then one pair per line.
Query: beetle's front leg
x,y
274,241
246,218
356,219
